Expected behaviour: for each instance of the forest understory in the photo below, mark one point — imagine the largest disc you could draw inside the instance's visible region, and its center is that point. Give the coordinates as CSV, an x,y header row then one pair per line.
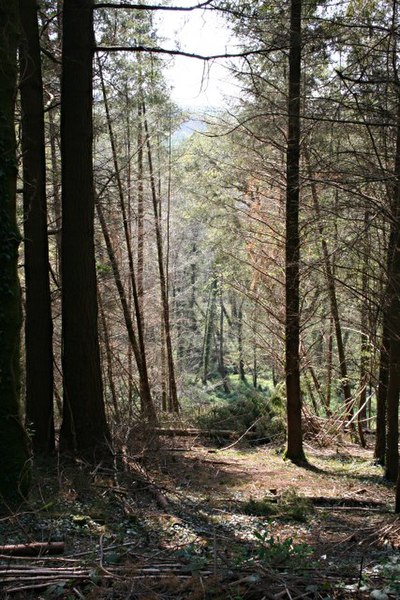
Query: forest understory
x,y
197,521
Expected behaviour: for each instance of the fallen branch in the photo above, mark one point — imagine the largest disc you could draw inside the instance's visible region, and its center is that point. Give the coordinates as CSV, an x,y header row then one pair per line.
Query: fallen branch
x,y
33,549
241,437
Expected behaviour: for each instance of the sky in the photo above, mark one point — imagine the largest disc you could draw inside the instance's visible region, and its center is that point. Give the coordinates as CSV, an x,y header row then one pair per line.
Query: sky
x,y
196,83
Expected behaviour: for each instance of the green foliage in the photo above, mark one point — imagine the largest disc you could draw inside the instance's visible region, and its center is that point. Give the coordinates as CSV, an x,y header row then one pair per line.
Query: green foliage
x,y
277,552
243,407
289,506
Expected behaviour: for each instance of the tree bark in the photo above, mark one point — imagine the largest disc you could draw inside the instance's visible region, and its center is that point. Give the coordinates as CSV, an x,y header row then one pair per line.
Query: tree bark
x,y
393,315
84,427
38,321
14,455
380,438
173,401
364,342
330,280
209,330
145,392
141,359
294,450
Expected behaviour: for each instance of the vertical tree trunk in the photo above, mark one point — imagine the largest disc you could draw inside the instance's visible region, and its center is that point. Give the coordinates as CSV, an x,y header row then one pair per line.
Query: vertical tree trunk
x,y
393,315
397,499
294,449
330,280
140,210
140,355
329,364
209,330
38,322
14,465
145,393
364,342
109,362
242,374
380,437
221,359
84,428
174,404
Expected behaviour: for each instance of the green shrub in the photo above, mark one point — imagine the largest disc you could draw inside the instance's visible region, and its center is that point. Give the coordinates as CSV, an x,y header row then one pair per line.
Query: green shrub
x,y
246,406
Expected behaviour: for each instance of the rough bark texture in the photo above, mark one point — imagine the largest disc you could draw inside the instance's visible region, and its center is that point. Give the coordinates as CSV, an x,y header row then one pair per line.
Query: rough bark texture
x,y
397,499
14,456
294,449
380,438
393,315
38,321
84,428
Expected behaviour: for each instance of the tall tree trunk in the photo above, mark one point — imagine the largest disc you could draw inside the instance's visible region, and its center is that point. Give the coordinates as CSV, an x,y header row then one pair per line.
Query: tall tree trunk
x,y
393,390
161,269
331,284
380,437
209,329
242,374
84,427
14,464
145,393
221,358
364,342
38,322
397,499
329,364
109,362
147,404
294,450
140,209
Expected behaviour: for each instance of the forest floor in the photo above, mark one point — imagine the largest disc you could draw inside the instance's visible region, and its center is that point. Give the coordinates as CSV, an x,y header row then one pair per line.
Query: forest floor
x,y
199,522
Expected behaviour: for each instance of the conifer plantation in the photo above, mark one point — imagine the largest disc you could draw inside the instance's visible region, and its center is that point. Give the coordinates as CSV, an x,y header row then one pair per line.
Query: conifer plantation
x,y
199,302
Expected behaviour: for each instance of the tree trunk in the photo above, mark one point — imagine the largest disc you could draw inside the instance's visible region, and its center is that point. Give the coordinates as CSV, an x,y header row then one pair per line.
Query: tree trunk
x,y
364,342
209,330
393,315
38,322
330,280
140,210
145,392
148,408
380,438
242,374
294,450
221,358
14,455
109,363
173,401
84,428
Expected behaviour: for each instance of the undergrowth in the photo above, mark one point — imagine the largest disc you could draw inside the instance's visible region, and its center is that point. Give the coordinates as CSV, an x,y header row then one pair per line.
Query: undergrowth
x,y
289,506
243,408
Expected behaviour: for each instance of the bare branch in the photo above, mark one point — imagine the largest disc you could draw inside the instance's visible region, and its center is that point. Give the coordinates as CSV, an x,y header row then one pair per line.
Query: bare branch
x,y
129,6
206,57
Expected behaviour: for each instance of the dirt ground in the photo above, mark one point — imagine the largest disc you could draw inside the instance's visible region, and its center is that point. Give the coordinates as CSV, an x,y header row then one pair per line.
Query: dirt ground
x,y
199,522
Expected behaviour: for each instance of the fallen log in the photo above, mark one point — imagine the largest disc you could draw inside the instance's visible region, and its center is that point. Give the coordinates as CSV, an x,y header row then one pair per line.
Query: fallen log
x,y
191,432
32,549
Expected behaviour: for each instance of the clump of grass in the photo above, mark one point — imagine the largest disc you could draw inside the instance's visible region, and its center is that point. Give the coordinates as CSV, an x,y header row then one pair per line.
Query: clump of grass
x,y
289,506
265,507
